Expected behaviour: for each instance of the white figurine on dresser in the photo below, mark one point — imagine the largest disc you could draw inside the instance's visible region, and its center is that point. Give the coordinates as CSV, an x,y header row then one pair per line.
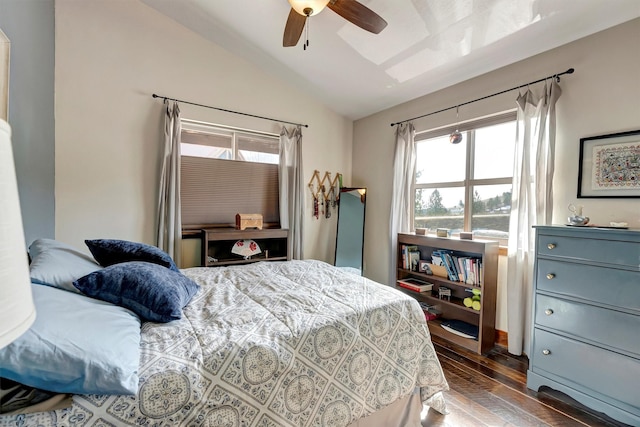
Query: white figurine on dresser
x,y
586,318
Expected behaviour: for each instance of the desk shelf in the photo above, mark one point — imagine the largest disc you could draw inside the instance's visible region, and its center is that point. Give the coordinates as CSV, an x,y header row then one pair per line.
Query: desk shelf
x,y
218,242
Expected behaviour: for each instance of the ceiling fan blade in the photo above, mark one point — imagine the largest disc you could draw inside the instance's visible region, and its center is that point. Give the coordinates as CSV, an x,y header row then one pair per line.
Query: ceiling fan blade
x,y
293,29
358,14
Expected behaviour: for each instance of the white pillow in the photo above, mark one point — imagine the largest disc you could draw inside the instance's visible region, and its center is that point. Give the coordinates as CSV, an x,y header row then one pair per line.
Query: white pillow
x,y
76,345
57,264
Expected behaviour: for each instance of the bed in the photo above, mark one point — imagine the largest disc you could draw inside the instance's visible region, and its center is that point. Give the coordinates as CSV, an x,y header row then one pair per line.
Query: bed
x,y
295,343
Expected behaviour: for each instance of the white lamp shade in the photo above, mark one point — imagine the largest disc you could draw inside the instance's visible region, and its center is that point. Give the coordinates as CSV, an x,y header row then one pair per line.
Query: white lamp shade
x,y
17,312
315,5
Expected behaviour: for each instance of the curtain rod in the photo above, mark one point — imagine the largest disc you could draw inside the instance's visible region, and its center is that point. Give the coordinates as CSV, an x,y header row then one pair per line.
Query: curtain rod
x,y
227,111
556,76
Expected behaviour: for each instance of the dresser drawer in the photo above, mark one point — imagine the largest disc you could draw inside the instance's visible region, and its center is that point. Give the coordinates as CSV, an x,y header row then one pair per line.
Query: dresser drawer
x,y
592,368
610,328
602,251
604,286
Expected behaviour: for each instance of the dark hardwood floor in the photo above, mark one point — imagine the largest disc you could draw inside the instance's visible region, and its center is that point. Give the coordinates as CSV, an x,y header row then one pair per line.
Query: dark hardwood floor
x,y
491,390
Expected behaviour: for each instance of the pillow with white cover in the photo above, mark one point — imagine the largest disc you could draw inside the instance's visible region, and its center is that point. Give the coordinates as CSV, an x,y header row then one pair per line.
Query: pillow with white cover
x,y
76,345
57,264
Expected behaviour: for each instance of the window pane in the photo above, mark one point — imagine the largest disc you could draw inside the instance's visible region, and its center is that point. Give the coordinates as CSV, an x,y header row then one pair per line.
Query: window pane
x,y
258,143
258,149
193,150
440,161
257,157
439,208
216,143
205,144
211,139
494,147
491,209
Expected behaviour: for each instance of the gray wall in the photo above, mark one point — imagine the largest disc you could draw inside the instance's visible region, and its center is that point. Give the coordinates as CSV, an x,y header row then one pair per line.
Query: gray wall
x,y
29,24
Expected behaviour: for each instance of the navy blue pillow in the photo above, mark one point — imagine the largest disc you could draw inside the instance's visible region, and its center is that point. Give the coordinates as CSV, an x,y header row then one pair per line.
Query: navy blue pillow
x,y
110,251
151,291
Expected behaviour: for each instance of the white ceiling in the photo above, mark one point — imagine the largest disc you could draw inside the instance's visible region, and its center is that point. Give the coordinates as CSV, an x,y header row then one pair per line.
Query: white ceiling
x,y
427,45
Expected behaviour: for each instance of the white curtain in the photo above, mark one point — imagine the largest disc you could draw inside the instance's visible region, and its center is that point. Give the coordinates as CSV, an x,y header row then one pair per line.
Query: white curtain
x,y
402,199
291,191
169,234
531,204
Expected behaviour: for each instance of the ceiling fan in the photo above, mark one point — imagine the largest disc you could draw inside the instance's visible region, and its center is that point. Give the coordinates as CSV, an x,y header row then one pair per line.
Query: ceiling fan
x,y
351,10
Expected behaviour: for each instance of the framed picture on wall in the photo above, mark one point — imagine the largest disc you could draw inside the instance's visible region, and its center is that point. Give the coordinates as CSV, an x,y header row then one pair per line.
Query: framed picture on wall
x,y
609,166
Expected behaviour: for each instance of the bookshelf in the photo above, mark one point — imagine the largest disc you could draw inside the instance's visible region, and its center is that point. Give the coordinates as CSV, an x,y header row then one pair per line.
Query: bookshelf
x,y
454,309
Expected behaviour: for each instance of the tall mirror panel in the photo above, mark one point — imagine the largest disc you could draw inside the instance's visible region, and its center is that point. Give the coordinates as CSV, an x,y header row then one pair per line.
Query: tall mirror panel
x,y
350,234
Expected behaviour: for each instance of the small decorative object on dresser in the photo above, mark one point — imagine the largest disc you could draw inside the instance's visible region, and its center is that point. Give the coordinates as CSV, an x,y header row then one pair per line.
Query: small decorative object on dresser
x,y
586,318
577,219
248,221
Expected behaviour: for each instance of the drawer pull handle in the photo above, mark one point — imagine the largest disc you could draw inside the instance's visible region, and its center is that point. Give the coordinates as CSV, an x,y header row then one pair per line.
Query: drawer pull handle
x,y
551,245
550,276
548,312
546,352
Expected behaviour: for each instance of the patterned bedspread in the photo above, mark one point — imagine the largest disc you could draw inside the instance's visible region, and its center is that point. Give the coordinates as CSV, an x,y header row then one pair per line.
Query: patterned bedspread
x,y
297,343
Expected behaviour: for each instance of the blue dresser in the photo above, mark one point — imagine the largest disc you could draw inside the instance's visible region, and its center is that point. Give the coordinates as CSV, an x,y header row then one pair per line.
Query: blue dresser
x,y
586,318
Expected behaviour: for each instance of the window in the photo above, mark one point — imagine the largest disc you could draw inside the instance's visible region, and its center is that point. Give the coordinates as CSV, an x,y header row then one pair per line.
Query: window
x,y
219,142
225,171
466,186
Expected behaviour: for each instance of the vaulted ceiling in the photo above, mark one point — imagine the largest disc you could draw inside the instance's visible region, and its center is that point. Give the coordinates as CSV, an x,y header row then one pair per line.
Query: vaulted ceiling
x,y
426,46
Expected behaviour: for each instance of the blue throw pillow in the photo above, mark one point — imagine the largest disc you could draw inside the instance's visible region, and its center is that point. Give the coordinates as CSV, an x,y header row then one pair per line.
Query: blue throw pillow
x,y
110,251
57,264
151,291
76,345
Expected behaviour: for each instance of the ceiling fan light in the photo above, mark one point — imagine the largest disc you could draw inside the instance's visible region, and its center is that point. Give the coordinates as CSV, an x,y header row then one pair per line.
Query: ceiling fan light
x,y
316,6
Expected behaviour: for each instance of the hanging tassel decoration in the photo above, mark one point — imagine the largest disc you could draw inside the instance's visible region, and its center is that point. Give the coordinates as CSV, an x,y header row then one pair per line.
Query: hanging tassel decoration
x,y
315,206
327,202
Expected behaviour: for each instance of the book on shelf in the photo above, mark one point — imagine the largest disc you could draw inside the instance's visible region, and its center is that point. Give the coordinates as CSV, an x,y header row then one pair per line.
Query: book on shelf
x,y
472,272
431,312
414,260
460,265
436,259
415,285
464,269
461,328
447,261
407,257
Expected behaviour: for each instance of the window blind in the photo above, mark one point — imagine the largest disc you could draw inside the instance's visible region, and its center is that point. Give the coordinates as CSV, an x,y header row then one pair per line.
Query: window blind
x,y
213,191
